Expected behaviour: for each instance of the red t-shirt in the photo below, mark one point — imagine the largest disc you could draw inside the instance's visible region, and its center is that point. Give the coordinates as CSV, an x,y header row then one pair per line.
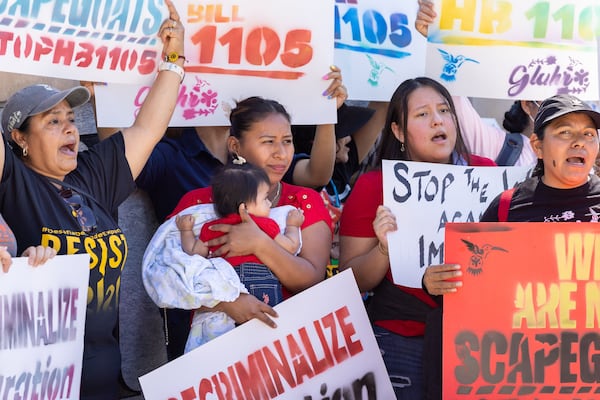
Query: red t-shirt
x,y
308,200
357,221
268,225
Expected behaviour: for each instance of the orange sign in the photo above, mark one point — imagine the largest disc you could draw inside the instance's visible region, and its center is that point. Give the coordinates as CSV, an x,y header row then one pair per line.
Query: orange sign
x,y
525,322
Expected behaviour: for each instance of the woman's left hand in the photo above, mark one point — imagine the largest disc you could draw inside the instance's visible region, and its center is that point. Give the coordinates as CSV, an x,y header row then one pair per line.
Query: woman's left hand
x,y
240,239
336,87
436,279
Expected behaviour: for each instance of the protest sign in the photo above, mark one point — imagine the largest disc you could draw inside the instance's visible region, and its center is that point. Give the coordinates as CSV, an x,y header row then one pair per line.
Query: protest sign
x,y
42,321
235,49
515,49
323,347
377,46
426,196
98,41
525,322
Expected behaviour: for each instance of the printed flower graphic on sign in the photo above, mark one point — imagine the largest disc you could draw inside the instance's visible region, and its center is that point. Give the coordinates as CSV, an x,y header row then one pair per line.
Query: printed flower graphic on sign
x,y
201,100
452,65
478,256
571,79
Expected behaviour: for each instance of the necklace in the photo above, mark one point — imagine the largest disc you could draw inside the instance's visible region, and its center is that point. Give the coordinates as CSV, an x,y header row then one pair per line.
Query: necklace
x,y
276,197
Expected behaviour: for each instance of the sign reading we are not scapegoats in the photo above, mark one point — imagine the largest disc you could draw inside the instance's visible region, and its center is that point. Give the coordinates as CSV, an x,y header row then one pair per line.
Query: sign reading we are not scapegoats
x,y
525,322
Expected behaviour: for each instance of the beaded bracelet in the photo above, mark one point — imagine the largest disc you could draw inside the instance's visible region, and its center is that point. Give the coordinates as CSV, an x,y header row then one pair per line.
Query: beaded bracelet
x,y
169,66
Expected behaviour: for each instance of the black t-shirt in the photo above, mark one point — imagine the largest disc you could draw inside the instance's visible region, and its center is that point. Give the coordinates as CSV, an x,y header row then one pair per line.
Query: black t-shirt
x,y
33,207
533,201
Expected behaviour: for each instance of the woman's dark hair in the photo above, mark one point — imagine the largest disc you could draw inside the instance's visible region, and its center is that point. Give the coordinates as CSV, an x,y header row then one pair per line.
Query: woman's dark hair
x,y
390,148
515,119
13,145
235,184
252,110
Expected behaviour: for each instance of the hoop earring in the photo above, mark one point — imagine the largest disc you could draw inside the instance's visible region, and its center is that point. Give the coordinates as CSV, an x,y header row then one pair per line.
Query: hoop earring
x,y
25,152
402,147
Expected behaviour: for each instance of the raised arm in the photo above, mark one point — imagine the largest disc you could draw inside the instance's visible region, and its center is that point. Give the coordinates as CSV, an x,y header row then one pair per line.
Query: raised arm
x,y
154,115
317,170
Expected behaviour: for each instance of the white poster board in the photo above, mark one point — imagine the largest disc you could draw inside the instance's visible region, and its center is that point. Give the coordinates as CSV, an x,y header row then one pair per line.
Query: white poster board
x,y
323,344
377,46
424,197
235,49
42,322
515,49
94,41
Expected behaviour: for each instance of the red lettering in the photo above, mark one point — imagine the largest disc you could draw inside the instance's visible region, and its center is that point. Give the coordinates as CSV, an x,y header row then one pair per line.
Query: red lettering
x,y
63,50
340,353
234,382
318,365
348,331
251,379
279,367
204,388
4,38
188,394
42,48
301,366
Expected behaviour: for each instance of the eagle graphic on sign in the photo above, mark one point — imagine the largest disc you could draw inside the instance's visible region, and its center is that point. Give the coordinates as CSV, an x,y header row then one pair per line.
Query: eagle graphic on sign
x,y
479,255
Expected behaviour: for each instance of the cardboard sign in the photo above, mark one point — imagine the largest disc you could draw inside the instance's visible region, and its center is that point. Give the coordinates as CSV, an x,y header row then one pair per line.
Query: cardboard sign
x,y
377,46
42,322
236,49
426,196
323,347
515,49
93,41
525,322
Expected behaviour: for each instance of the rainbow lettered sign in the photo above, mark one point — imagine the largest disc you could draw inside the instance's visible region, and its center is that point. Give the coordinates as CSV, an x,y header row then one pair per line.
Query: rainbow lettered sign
x,y
519,49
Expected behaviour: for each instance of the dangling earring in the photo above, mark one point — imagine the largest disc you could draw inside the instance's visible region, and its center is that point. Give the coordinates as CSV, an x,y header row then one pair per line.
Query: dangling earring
x,y
238,160
402,147
25,152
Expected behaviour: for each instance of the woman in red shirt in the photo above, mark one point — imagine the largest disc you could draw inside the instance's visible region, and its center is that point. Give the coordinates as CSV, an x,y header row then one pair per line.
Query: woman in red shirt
x,y
421,125
261,134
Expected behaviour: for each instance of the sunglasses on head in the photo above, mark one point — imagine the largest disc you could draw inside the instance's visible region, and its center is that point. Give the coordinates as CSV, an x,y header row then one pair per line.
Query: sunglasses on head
x,y
84,215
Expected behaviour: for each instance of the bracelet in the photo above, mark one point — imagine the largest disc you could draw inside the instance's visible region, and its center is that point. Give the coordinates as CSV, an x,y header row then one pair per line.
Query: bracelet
x,y
168,66
382,249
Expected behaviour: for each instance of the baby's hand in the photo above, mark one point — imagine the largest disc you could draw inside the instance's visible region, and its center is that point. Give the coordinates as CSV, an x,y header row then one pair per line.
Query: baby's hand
x,y
185,222
295,218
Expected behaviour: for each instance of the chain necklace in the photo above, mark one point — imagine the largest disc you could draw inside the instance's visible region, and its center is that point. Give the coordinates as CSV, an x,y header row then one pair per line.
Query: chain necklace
x,y
276,197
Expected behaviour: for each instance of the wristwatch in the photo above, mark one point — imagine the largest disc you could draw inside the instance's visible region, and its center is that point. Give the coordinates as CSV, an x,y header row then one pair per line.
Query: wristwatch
x,y
172,57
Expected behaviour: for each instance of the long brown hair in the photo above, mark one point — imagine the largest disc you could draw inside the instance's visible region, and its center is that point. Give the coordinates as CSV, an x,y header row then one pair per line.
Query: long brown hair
x,y
390,148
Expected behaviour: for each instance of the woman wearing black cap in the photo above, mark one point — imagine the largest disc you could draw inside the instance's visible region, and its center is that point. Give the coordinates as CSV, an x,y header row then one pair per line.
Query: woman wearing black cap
x,y
52,195
562,188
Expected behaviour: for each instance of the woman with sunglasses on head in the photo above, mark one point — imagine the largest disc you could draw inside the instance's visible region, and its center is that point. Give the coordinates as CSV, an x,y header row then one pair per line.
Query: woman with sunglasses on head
x,y
421,125
53,195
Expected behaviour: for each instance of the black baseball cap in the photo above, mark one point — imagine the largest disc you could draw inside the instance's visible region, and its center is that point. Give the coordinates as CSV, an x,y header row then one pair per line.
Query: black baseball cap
x,y
559,105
